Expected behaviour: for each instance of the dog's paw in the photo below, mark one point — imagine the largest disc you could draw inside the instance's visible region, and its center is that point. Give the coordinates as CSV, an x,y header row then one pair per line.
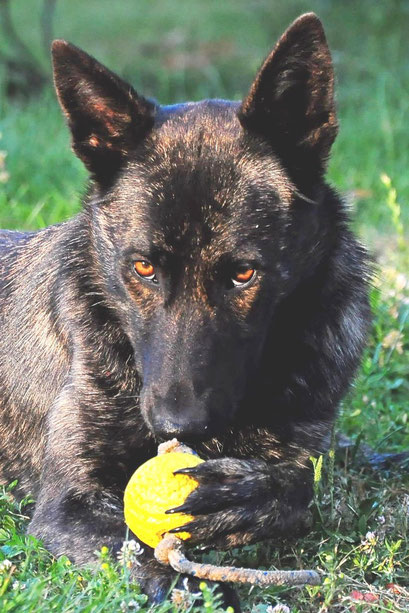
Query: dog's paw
x,y
155,580
225,483
233,499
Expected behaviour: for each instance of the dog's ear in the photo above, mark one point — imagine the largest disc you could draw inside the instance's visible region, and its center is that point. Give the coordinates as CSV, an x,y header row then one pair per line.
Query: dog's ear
x,y
291,102
106,116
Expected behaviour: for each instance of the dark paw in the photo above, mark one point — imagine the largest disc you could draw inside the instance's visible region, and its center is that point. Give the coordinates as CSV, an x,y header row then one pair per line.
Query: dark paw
x,y
232,500
239,502
191,587
156,581
225,483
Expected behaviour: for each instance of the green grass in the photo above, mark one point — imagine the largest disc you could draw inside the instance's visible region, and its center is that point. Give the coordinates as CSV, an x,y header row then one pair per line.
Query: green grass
x,y
177,50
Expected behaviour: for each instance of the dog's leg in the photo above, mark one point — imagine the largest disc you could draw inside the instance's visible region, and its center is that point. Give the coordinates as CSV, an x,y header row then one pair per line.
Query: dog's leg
x,y
79,525
76,511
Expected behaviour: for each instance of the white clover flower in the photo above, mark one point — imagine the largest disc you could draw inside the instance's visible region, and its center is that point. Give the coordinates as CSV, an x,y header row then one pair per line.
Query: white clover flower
x,y
5,565
369,541
15,585
132,604
278,608
129,552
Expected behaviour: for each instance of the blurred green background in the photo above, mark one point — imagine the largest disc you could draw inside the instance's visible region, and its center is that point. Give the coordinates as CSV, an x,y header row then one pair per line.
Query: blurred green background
x,y
189,49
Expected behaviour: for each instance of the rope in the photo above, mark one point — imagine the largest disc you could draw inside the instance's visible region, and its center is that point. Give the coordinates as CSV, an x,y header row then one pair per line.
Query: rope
x,y
170,551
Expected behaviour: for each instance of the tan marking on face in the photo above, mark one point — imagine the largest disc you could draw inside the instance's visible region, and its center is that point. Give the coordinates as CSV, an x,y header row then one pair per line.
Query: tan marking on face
x,y
145,298
244,300
199,294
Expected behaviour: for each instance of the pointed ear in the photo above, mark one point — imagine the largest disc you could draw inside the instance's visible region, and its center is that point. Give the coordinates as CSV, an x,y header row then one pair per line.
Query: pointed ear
x,y
106,116
291,102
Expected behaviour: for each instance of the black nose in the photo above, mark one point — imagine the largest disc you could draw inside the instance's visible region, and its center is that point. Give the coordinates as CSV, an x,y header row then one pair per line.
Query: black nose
x,y
185,430
177,412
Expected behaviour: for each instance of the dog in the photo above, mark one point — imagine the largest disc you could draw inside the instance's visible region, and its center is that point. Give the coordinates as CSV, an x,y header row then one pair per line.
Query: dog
x,y
210,290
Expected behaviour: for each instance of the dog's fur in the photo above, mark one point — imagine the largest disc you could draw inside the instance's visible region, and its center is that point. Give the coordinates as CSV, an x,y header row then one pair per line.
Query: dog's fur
x,y
97,365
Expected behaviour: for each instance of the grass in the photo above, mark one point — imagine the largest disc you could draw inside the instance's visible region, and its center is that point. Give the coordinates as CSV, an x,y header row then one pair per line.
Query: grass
x,y
178,50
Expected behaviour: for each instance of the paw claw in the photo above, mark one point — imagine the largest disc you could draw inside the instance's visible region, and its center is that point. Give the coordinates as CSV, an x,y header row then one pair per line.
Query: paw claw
x,y
185,471
183,508
184,528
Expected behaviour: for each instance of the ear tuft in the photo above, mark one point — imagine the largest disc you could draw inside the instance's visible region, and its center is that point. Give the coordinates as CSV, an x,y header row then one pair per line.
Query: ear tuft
x,y
106,116
291,101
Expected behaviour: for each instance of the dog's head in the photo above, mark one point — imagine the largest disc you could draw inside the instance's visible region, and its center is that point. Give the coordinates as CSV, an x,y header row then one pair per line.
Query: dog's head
x,y
204,215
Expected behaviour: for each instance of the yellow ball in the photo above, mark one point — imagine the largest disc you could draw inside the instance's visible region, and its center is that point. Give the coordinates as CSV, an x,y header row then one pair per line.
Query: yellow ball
x,y
152,490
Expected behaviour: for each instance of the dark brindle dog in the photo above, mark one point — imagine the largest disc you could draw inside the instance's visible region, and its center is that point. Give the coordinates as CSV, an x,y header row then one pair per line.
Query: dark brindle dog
x,y
210,290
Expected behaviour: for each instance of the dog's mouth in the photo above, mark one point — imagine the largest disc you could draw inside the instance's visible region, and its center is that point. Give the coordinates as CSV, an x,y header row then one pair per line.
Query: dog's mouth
x,y
185,431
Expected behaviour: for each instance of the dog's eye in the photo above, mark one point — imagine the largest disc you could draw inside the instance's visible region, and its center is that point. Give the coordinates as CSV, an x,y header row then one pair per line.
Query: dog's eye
x,y
243,276
145,270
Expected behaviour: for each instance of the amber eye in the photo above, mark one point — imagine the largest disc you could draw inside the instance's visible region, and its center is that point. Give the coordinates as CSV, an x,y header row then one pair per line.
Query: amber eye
x,y
145,270
241,277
